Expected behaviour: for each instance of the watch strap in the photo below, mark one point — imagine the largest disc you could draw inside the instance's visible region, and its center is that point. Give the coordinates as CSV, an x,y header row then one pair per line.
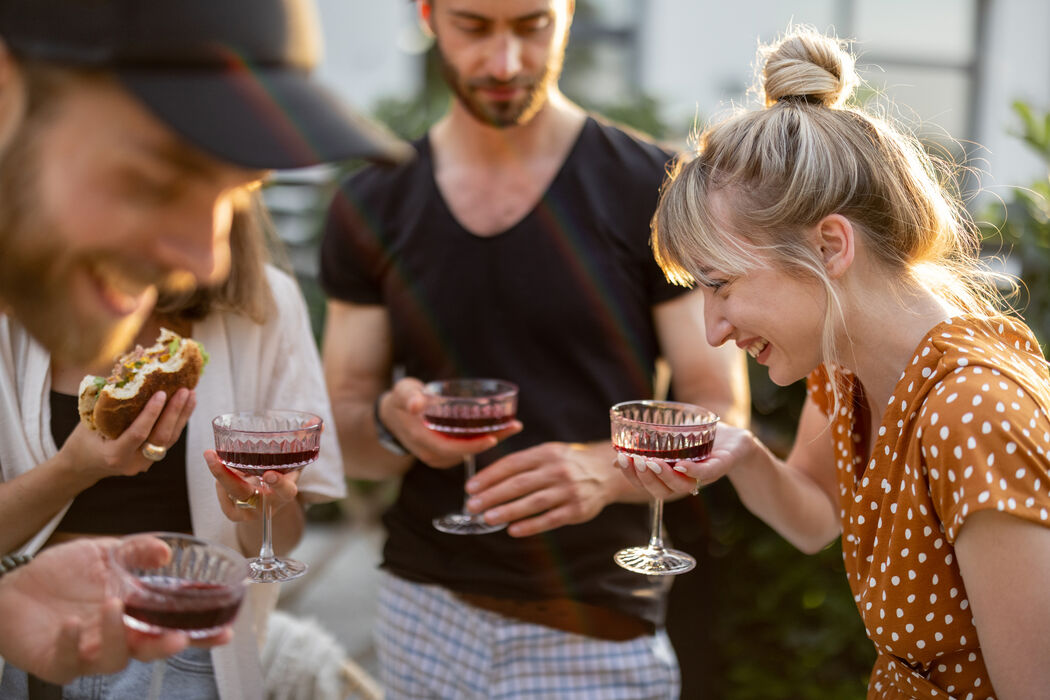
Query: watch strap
x,y
386,438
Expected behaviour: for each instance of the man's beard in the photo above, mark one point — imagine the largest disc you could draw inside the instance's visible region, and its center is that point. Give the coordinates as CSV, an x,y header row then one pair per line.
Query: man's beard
x,y
502,115
35,270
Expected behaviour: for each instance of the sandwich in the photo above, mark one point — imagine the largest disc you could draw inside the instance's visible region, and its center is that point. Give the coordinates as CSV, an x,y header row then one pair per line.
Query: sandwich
x,y
110,404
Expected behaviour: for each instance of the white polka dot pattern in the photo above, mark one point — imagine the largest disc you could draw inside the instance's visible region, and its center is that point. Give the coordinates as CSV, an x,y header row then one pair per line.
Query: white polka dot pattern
x,y
965,430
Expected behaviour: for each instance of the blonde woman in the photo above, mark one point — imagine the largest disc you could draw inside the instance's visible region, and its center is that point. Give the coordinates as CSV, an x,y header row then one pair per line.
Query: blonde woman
x,y
829,249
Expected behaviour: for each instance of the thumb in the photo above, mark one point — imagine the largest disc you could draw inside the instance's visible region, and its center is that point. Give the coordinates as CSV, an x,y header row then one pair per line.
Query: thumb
x,y
67,653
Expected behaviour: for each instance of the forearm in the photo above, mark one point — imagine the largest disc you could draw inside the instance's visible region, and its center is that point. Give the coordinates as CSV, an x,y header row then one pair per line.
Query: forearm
x,y
30,500
363,456
997,552
785,499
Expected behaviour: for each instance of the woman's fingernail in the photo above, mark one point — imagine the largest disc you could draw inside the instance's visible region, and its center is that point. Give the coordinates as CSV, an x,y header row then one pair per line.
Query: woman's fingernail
x,y
639,464
474,504
653,466
680,469
623,460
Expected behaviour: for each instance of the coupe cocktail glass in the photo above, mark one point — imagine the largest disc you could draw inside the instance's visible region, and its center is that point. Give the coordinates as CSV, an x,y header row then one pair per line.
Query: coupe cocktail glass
x,y
466,409
198,590
665,430
257,442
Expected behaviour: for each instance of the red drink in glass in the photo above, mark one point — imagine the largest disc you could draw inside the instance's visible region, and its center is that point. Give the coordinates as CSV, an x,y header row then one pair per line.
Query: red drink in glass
x,y
465,409
198,589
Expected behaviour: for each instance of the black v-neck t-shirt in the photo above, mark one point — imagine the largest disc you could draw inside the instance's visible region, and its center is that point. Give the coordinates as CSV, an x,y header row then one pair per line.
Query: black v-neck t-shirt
x,y
560,303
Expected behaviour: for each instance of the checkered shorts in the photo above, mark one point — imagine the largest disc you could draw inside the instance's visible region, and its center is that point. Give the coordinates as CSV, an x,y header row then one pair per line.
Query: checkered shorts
x,y
433,645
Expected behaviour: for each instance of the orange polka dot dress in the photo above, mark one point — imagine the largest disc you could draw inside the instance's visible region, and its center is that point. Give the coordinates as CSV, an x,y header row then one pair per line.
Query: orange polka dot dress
x,y
965,430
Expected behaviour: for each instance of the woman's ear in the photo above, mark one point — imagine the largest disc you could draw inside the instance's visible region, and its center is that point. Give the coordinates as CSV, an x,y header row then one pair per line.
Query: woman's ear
x,y
836,238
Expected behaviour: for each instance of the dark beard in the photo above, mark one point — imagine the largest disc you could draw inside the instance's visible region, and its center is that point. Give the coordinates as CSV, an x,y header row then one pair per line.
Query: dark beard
x,y
34,267
508,114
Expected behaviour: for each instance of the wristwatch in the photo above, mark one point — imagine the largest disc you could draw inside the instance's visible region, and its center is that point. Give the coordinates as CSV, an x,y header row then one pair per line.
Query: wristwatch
x,y
386,438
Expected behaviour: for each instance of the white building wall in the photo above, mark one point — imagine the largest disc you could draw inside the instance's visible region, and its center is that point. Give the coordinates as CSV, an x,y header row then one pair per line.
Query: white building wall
x,y
698,55
369,50
697,59
1015,65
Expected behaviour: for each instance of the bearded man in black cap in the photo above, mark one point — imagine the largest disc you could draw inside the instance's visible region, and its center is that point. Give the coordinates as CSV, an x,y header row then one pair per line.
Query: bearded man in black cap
x,y
130,132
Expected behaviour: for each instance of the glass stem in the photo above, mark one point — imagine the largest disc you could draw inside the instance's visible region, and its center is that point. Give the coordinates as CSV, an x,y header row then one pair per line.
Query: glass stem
x,y
468,466
656,516
156,680
266,550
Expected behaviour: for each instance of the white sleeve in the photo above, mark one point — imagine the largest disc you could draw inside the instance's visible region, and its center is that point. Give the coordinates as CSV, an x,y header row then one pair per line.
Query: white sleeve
x,y
290,364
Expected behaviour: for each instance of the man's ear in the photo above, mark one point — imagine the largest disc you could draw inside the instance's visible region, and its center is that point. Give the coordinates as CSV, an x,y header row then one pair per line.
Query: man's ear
x,y
836,238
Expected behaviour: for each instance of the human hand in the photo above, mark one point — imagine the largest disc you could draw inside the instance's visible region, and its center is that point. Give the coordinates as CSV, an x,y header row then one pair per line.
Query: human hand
x,y
544,487
59,621
662,481
231,487
402,411
160,423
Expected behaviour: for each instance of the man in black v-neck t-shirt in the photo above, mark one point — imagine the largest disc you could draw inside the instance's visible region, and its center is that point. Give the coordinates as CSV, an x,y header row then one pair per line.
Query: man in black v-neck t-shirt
x,y
515,246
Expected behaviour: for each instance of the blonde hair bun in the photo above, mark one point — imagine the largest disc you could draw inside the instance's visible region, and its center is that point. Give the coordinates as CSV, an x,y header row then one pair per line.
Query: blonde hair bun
x,y
807,66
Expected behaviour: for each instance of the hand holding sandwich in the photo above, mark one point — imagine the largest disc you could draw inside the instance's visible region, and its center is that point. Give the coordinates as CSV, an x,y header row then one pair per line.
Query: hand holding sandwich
x,y
159,424
110,440
126,420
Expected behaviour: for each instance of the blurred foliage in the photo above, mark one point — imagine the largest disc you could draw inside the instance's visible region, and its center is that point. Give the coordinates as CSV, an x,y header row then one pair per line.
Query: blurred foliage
x,y
780,623
1023,225
786,625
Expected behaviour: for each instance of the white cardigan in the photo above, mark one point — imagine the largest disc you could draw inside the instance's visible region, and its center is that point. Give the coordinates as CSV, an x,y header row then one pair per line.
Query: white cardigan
x,y
251,367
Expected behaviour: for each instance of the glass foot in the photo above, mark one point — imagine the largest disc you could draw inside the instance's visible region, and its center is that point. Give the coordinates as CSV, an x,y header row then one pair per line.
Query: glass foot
x,y
195,633
465,524
654,561
275,570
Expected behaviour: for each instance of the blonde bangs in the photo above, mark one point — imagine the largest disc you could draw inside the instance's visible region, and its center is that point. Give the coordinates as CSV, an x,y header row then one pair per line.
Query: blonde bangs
x,y
690,237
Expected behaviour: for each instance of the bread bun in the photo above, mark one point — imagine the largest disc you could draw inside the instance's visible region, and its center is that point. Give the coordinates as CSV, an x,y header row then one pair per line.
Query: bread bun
x,y
110,405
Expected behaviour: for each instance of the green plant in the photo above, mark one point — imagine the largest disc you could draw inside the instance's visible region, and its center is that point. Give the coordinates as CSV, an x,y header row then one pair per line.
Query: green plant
x,y
1023,224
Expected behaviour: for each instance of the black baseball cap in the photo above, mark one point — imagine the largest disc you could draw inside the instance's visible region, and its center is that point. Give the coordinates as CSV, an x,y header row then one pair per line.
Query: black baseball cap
x,y
230,76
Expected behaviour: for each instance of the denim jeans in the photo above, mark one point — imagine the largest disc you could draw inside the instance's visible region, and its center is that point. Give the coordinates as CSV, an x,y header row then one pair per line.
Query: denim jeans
x,y
188,675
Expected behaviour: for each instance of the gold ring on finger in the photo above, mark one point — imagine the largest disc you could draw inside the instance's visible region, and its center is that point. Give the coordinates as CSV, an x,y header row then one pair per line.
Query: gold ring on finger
x,y
153,453
249,503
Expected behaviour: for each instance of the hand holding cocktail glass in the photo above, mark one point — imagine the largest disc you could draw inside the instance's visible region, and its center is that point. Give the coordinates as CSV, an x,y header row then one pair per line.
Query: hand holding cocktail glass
x,y
671,432
258,444
196,587
171,581
466,409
